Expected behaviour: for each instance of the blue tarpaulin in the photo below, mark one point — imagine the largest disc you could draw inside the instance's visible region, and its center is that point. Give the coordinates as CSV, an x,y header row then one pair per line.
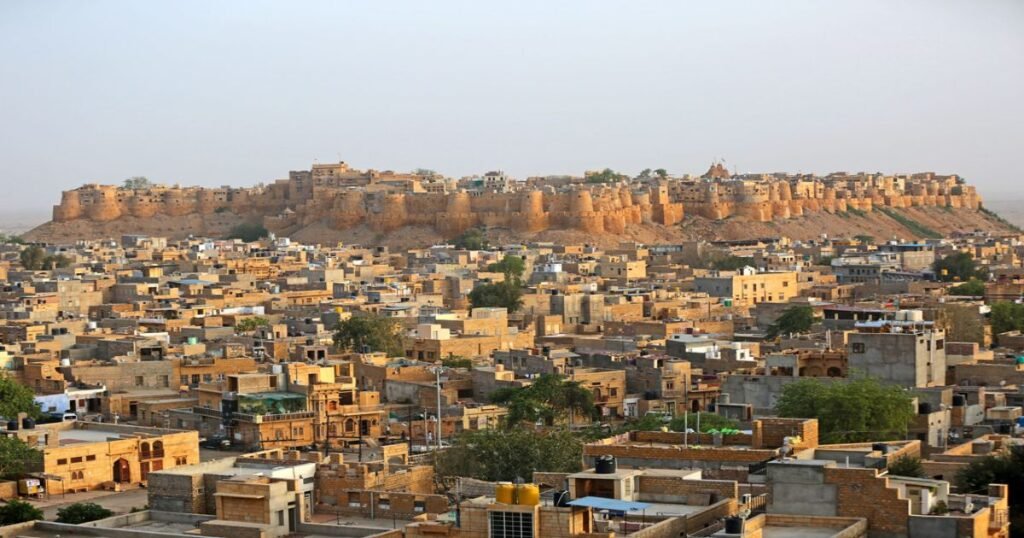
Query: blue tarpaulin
x,y
616,505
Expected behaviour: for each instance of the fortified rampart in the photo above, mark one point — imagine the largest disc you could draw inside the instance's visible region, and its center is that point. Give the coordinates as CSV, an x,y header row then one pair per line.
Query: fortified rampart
x,y
384,201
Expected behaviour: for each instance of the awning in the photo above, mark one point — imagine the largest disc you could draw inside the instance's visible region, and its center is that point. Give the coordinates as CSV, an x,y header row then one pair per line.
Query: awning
x,y
616,505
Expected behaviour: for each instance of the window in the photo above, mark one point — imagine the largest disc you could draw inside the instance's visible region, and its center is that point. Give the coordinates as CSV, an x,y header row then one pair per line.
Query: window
x,y
181,460
858,347
511,524
939,344
384,503
419,506
90,457
76,459
62,461
140,380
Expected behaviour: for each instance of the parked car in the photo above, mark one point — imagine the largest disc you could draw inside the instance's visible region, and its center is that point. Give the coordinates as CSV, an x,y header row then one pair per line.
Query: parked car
x,y
216,442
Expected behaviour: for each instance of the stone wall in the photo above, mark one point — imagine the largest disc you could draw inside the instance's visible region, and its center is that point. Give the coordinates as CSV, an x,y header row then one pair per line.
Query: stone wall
x,y
606,208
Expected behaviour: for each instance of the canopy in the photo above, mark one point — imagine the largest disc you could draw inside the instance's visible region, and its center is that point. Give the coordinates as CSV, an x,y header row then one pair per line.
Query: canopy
x,y
616,505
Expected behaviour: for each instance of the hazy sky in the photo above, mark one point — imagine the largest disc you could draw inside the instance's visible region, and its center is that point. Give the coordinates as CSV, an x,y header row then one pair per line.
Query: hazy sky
x,y
225,92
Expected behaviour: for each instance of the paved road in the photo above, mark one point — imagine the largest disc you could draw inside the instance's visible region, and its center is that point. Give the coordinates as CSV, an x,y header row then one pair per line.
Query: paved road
x,y
119,502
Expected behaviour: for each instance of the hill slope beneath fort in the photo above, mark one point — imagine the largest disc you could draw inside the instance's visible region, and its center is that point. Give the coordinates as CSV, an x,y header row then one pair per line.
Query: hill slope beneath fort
x,y
884,223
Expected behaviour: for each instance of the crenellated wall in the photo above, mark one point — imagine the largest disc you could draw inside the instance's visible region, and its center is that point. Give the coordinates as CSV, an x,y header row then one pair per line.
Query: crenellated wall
x,y
303,200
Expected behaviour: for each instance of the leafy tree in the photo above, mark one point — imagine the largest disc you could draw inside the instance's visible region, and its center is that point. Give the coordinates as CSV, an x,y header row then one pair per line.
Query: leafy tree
x,y
962,323
424,172
457,362
137,183
972,287
1007,316
16,398
7,239
507,294
82,513
16,511
1003,468
248,232
732,263
644,174
251,324
370,333
58,261
708,422
605,176
661,173
856,411
17,458
495,455
33,257
471,239
867,239
510,265
549,399
795,319
959,266
907,466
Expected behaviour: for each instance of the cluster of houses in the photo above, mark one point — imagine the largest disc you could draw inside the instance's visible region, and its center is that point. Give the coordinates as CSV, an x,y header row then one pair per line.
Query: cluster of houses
x,y
147,355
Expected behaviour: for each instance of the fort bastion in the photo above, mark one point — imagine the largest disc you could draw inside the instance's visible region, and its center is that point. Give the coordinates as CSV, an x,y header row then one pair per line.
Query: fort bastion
x,y
342,198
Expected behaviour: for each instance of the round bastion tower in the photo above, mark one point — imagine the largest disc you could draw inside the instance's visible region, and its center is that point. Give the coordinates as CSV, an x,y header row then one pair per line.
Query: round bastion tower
x,y
581,212
70,207
104,206
533,218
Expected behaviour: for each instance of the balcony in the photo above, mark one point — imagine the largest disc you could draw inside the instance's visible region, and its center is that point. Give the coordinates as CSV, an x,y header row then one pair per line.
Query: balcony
x,y
260,419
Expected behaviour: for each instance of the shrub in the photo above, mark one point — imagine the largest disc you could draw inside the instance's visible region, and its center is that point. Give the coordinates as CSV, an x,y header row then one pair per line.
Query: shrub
x,y
82,513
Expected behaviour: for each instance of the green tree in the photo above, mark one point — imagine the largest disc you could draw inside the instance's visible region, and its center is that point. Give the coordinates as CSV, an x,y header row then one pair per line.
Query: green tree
x,y
549,399
457,362
248,232
370,333
471,239
1007,316
794,320
512,266
1003,468
907,466
644,174
58,261
16,398
661,173
82,513
507,294
251,324
424,172
137,183
505,455
708,422
867,239
856,411
7,239
16,511
604,176
973,287
33,257
959,266
17,458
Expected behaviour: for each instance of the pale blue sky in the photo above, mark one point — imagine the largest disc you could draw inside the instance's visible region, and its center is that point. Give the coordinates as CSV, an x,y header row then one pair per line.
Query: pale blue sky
x,y
224,92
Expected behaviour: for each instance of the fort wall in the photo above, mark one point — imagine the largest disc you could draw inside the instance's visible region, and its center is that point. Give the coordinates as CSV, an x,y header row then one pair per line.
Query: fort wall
x,y
305,199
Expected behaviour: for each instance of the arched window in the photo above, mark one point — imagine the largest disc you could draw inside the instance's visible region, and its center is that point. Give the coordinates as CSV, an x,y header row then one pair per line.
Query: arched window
x,y
158,449
144,450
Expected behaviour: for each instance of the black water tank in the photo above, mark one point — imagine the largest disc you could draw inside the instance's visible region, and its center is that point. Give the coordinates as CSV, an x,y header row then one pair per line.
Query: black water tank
x,y
959,400
12,425
924,408
880,447
733,525
562,498
605,465
27,423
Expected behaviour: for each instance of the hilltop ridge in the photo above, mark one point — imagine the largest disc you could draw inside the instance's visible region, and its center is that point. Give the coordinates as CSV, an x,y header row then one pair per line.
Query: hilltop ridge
x,y
333,202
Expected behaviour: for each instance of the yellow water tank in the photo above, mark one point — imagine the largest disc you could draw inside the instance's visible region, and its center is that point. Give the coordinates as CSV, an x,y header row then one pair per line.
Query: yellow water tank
x,y
528,494
504,493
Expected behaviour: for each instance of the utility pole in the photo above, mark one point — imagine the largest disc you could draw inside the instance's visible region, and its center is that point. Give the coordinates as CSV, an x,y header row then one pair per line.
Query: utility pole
x,y
437,372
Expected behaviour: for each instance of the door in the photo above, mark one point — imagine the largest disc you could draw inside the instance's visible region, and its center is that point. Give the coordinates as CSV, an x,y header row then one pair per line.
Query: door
x,y
122,471
143,470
